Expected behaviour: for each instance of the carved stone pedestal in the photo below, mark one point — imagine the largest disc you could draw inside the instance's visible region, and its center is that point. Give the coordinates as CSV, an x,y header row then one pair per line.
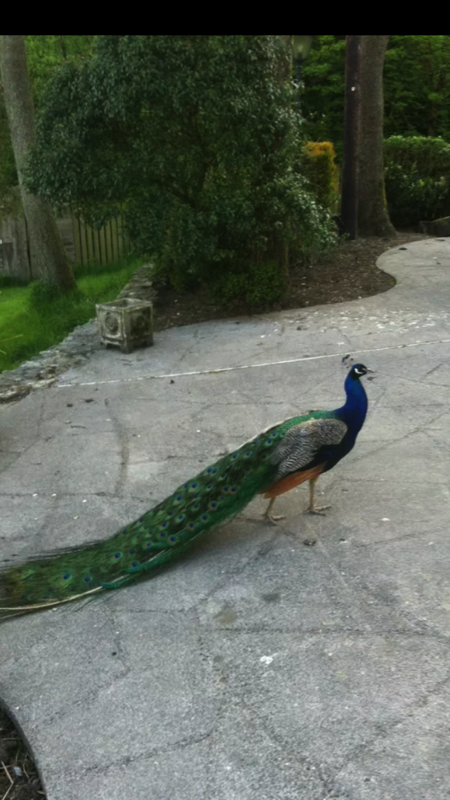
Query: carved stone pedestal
x,y
126,323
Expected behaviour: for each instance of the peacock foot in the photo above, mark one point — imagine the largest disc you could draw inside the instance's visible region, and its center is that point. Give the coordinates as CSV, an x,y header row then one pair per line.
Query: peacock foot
x,y
273,518
319,510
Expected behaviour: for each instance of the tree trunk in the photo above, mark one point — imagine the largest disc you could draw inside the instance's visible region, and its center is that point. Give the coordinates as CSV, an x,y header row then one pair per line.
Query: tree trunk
x,y
47,253
373,217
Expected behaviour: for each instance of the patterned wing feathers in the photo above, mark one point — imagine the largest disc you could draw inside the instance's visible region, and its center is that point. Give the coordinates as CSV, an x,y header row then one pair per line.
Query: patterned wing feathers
x,y
303,442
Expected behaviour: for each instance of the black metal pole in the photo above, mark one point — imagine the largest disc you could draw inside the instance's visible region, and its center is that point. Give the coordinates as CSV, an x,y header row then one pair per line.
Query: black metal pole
x,y
349,198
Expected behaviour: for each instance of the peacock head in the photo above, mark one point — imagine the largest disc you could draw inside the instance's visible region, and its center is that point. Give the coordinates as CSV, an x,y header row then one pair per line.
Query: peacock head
x,y
356,370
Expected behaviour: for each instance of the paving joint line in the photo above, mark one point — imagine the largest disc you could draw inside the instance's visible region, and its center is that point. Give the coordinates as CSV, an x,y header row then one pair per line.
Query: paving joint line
x,y
218,370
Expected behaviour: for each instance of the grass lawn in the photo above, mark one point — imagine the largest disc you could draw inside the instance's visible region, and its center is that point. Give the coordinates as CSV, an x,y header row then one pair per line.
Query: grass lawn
x,y
25,331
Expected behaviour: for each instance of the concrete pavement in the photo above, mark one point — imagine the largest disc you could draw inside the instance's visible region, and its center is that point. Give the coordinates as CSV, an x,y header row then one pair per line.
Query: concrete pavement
x,y
255,668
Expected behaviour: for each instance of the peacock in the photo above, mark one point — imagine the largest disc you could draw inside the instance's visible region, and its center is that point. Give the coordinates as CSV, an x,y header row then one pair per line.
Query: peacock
x,y
299,449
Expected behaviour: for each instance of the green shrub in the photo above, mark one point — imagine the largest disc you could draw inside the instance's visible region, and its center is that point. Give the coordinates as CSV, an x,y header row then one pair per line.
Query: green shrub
x,y
417,178
257,285
321,172
196,137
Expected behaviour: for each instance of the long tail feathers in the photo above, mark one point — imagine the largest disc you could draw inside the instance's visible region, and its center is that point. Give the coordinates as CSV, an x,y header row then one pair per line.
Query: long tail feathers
x,y
215,495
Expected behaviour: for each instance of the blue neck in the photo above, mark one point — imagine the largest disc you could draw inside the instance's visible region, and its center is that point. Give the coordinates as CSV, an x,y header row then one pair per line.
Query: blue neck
x,y
354,411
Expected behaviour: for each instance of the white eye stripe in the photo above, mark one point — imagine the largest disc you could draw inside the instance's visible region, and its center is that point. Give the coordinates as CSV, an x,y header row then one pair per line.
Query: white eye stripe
x,y
359,371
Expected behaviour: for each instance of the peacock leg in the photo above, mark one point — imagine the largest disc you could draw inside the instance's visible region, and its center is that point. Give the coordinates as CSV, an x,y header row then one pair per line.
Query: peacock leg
x,y
312,508
271,517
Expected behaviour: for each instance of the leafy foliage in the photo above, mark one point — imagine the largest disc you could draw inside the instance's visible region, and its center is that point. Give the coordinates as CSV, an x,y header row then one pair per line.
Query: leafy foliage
x,y
429,157
47,53
321,172
257,285
416,88
44,55
195,137
417,178
323,92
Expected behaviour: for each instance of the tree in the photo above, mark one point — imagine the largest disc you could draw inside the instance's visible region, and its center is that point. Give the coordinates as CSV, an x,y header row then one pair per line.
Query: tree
x,y
197,137
44,55
323,93
47,254
47,53
417,86
9,202
373,217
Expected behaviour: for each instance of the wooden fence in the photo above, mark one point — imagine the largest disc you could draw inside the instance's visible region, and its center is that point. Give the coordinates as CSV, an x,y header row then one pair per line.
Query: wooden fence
x,y
85,245
99,246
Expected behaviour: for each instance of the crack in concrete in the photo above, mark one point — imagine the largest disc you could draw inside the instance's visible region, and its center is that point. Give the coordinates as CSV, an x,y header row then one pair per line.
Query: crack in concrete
x,y
122,437
384,730
173,747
